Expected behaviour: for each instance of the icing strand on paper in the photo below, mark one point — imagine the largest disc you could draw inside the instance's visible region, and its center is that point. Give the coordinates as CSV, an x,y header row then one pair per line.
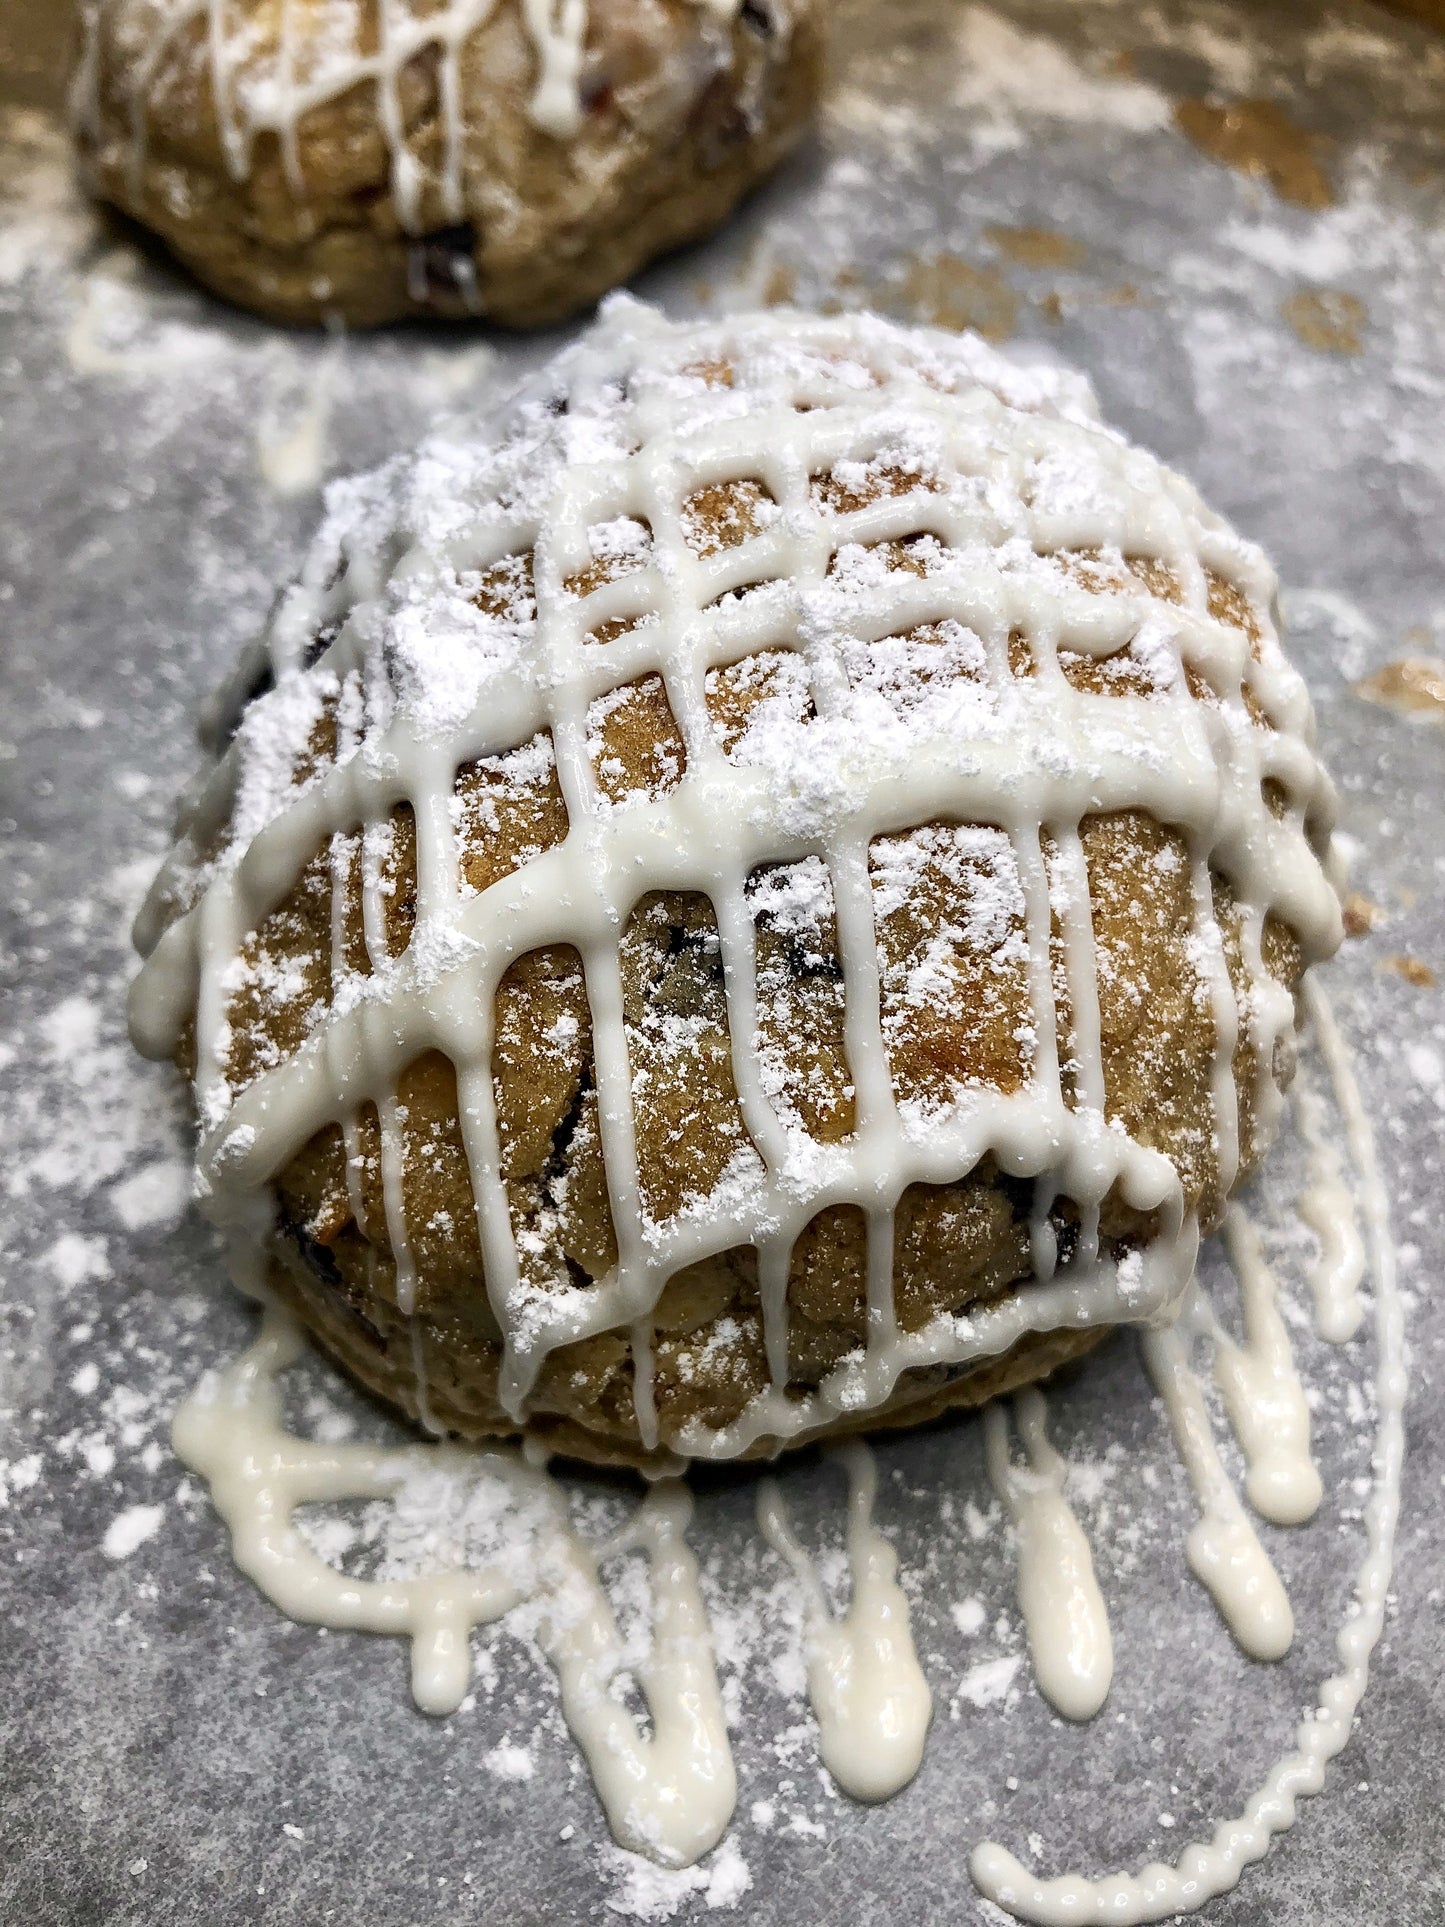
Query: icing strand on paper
x,y
867,1690
253,99
671,1796
1064,1613
292,442
1009,468
1327,1206
1261,1389
1222,1548
1206,1869
668,1794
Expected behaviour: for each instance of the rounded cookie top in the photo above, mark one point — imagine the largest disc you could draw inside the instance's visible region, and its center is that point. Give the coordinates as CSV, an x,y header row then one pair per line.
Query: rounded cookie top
x,y
781,859
516,158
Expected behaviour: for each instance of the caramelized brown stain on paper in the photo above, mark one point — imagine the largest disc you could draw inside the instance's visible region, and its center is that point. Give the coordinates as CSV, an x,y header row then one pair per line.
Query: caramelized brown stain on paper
x,y
1257,137
1361,914
1412,970
1414,686
951,293
1326,319
1054,306
1037,247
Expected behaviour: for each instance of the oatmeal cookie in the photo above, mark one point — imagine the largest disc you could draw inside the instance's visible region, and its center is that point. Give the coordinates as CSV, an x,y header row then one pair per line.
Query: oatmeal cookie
x,y
759,894
313,159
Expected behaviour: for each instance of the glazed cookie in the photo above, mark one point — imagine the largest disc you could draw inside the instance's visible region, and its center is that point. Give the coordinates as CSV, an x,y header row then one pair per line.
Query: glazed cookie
x,y
512,158
757,894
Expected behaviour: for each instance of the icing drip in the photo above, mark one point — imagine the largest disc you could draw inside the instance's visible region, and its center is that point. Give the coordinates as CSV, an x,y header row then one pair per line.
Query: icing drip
x,y
1261,1389
1064,1613
669,1794
292,444
558,29
1013,469
87,348
272,95
1223,1548
1205,1870
867,1690
1327,1206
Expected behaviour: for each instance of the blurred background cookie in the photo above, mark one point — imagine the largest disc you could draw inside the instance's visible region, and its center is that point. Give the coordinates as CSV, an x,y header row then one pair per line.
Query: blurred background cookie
x,y
343,158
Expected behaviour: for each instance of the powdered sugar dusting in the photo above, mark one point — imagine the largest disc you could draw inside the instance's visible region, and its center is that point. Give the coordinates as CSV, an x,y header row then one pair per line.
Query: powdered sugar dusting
x,y
457,608
172,452
130,1529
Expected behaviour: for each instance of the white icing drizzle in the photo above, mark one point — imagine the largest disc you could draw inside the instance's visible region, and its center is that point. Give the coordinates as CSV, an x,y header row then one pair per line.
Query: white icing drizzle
x,y
305,70
558,29
292,444
669,1794
87,348
1222,1548
867,1690
1013,468
1327,1206
1064,1613
1261,1389
1207,1869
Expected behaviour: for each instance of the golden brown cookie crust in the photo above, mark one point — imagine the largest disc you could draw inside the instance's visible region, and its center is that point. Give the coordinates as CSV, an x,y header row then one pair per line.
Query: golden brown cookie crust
x,y
956,1006
682,115
379,1361
956,1245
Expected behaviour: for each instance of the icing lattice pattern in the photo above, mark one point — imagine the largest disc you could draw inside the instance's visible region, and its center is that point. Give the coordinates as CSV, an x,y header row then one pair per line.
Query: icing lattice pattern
x,y
883,608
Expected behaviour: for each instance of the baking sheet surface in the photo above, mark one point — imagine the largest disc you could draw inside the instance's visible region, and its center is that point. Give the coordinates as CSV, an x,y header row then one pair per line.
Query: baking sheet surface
x,y
1266,308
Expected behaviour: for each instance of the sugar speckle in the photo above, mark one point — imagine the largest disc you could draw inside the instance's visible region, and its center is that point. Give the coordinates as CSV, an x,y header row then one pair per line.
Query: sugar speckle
x,y
129,1530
